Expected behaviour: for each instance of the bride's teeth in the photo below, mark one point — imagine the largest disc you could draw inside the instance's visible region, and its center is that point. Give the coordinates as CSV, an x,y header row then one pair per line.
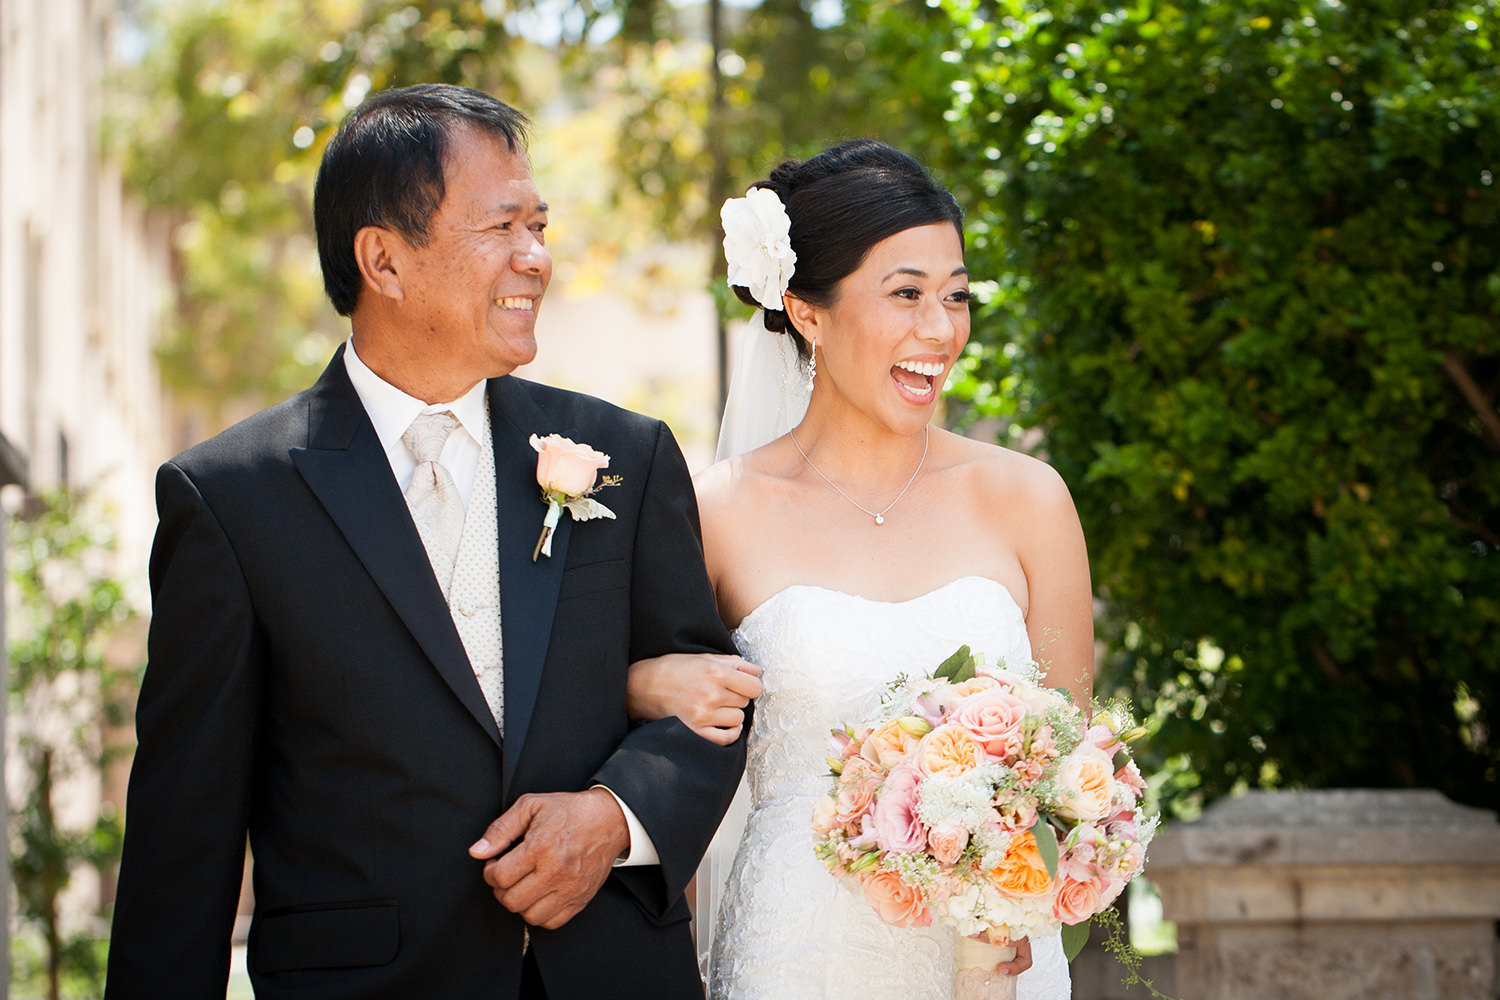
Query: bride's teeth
x,y
930,369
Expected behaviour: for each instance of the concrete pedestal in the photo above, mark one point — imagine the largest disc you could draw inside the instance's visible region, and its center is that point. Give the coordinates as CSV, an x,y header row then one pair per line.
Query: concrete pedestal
x,y
1333,895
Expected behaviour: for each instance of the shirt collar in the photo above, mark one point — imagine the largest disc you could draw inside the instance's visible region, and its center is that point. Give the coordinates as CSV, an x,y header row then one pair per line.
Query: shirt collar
x,y
392,411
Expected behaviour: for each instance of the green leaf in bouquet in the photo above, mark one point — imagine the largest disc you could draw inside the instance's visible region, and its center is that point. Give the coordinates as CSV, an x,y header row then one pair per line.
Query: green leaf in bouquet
x,y
957,668
1074,937
1046,844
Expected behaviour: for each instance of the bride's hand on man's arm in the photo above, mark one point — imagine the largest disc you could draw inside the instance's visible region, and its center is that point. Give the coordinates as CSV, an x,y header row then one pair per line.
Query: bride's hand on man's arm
x,y
707,691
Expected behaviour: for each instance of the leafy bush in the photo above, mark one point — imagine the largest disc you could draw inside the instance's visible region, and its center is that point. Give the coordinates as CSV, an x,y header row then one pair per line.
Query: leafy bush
x,y
1248,261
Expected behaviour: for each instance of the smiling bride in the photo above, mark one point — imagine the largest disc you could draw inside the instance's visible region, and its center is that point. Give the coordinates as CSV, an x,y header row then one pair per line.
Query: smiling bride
x,y
853,542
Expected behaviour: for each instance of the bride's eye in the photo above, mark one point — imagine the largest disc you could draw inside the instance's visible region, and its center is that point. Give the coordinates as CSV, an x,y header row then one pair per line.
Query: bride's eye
x,y
908,293
962,295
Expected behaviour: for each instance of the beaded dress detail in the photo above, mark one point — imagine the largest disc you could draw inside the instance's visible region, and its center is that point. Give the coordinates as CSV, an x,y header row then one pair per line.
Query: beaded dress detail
x,y
787,929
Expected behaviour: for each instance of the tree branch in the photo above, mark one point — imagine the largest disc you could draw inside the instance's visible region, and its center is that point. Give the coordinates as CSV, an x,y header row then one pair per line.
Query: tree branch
x,y
1483,408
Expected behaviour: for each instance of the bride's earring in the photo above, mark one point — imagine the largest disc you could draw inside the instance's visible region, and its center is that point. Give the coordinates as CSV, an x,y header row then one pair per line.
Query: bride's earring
x,y
812,365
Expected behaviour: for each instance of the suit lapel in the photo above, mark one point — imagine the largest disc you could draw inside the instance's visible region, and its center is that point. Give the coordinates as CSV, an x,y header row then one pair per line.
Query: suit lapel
x,y
347,469
528,590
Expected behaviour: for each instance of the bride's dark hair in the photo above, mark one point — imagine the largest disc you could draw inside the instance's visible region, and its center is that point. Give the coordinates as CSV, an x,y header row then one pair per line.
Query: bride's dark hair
x,y
841,203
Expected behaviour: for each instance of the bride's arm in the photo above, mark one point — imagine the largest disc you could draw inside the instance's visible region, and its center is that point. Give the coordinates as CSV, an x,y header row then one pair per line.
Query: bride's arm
x,y
707,691
1060,611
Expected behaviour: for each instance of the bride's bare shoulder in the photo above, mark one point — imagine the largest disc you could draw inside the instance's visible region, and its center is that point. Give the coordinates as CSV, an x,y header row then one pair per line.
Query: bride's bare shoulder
x,y
743,482
996,472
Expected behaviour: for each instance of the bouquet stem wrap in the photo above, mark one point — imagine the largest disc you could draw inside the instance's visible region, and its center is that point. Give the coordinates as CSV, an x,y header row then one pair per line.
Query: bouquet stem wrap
x,y
974,975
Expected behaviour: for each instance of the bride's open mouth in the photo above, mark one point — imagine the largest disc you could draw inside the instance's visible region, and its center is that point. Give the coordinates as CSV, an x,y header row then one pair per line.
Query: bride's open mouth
x,y
917,380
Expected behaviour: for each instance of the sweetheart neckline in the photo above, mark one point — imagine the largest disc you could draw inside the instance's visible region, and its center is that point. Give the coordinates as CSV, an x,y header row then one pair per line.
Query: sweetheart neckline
x,y
871,600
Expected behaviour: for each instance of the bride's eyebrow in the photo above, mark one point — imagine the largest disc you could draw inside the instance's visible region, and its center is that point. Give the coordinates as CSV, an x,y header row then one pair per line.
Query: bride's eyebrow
x,y
917,272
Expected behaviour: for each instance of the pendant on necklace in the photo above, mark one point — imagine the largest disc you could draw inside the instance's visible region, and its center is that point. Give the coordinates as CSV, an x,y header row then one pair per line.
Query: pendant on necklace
x,y
879,518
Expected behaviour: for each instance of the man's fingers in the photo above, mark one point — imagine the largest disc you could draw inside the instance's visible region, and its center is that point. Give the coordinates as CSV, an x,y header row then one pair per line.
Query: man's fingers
x,y
506,830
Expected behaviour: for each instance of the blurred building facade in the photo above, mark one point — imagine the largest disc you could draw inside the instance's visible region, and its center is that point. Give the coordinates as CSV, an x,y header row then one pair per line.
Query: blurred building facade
x,y
85,279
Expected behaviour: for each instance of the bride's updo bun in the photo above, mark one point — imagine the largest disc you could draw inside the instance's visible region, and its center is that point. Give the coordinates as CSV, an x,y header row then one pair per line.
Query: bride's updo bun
x,y
841,203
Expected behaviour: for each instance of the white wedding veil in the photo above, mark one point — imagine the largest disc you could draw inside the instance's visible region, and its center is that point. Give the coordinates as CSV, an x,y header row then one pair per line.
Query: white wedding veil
x,y
768,393
768,390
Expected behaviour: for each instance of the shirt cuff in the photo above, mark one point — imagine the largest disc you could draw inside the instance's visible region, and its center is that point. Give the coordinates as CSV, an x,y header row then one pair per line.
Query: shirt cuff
x,y
642,850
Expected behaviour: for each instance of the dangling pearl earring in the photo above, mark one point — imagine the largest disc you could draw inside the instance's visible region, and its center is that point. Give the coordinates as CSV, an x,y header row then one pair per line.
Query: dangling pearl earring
x,y
812,365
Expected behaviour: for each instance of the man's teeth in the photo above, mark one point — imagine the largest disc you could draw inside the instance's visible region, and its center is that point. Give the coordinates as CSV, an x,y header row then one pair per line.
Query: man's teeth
x,y
514,303
931,368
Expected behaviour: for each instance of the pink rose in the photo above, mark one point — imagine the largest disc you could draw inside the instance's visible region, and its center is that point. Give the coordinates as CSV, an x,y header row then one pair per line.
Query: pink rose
x,y
896,902
994,719
895,817
1130,777
947,842
1076,901
1103,737
565,467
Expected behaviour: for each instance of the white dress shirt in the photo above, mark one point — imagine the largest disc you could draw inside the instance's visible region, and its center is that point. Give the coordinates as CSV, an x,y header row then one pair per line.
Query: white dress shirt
x,y
392,411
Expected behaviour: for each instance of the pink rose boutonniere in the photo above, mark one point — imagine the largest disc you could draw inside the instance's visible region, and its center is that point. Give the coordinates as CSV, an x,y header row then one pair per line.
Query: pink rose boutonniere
x,y
566,470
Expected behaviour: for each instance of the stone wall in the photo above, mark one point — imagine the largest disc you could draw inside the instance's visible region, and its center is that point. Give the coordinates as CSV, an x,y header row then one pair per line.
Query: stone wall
x,y
1333,895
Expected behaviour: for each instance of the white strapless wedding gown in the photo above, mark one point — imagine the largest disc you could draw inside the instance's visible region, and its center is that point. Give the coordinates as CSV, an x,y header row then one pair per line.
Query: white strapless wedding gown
x,y
787,929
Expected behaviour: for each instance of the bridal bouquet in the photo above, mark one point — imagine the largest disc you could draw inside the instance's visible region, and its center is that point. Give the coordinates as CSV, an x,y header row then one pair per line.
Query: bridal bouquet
x,y
981,801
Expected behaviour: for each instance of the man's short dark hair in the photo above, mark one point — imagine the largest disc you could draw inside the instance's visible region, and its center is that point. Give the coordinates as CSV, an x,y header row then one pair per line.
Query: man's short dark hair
x,y
385,167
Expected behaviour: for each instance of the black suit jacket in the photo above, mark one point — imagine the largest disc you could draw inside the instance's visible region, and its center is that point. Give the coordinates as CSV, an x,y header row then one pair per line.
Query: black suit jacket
x,y
306,687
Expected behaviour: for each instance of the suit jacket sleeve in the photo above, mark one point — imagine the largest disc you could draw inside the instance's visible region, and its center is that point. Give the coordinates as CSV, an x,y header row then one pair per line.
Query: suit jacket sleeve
x,y
677,783
188,803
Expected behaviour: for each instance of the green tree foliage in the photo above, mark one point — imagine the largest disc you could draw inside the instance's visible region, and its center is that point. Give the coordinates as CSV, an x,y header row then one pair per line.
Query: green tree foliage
x,y
1247,264
65,694
223,123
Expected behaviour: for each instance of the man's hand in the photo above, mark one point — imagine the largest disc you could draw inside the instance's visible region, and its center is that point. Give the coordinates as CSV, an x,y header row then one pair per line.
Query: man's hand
x,y
549,853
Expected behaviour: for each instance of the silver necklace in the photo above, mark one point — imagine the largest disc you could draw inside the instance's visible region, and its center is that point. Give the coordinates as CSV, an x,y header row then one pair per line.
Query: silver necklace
x,y
879,516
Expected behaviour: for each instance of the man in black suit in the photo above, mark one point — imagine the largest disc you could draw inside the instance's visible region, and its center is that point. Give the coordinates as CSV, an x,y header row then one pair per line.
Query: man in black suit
x,y
427,746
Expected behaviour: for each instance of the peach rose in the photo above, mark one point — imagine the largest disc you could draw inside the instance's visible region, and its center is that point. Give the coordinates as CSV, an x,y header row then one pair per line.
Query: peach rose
x,y
1017,814
1022,872
977,684
889,744
1086,780
824,817
896,902
563,466
1076,901
948,749
947,842
855,792
994,718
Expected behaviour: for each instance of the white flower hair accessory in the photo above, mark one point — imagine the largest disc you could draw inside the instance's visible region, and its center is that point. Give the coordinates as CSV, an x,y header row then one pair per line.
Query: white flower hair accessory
x,y
758,245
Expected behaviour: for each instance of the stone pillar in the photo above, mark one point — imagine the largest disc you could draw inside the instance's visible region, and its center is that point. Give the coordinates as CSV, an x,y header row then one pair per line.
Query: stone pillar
x,y
1333,895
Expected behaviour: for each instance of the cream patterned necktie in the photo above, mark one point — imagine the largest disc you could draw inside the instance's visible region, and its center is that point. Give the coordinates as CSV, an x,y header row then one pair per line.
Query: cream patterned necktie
x,y
436,507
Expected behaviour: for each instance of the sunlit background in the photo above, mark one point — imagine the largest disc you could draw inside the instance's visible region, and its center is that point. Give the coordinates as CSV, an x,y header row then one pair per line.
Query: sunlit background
x,y
1236,267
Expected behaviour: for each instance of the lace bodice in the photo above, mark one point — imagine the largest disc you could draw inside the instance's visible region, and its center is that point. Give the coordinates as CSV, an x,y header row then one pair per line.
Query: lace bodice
x,y
787,929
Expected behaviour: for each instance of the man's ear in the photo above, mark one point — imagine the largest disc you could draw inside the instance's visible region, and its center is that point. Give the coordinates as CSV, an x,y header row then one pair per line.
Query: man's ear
x,y
803,316
379,253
